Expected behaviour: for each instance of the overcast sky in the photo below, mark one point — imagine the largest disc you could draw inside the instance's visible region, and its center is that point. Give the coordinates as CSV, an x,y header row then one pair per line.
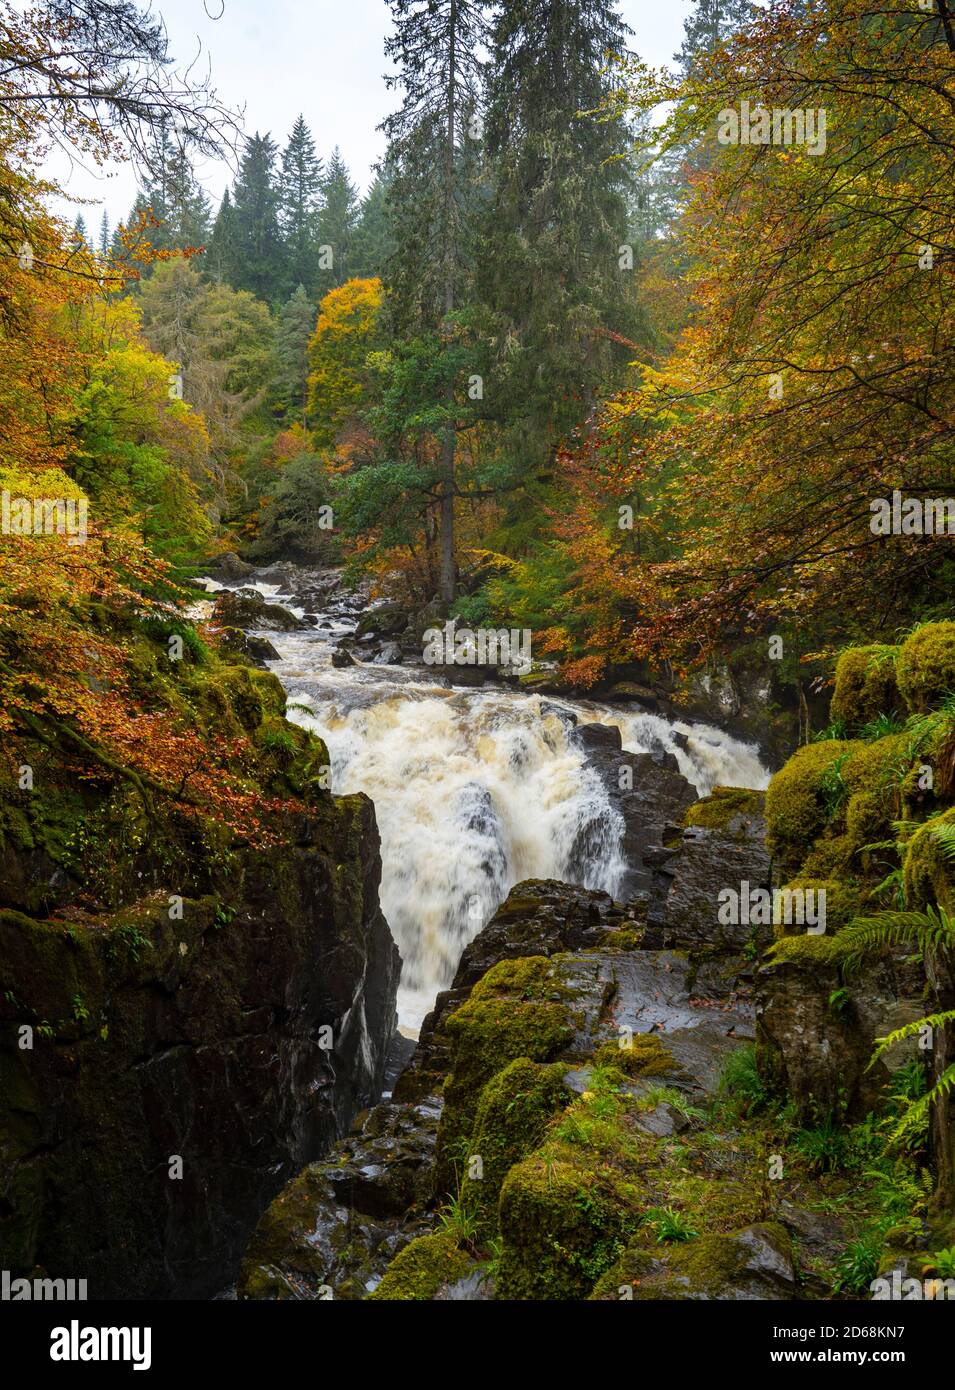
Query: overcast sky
x,y
323,58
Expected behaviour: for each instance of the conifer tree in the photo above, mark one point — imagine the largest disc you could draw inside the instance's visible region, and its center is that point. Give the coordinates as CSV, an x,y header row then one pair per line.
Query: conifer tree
x,y
300,197
259,262
294,327
222,257
550,270
710,23
374,244
105,237
436,45
336,224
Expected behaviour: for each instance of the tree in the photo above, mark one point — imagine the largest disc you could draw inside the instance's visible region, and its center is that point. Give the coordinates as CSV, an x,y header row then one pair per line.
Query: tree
x,y
300,192
259,264
294,327
374,243
709,24
550,270
105,236
347,332
222,257
436,47
336,223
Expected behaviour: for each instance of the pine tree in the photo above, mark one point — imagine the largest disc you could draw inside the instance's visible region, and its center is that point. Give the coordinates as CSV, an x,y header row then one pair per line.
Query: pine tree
x,y
293,331
80,234
259,263
188,212
436,46
710,23
105,237
336,224
300,192
550,272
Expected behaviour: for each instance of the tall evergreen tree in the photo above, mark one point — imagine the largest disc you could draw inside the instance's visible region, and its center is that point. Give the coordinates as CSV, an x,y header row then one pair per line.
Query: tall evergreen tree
x,y
436,46
550,272
336,223
259,264
710,23
105,237
188,213
294,327
300,194
80,233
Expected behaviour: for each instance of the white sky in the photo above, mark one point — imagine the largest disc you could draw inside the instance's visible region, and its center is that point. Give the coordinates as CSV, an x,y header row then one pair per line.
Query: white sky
x,y
320,58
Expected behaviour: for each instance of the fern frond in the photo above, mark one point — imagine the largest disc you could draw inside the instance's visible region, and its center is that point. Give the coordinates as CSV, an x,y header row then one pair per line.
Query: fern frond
x,y
909,1030
929,930
945,836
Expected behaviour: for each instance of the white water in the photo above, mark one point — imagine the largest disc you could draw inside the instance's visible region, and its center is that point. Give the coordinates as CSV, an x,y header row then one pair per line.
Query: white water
x,y
474,790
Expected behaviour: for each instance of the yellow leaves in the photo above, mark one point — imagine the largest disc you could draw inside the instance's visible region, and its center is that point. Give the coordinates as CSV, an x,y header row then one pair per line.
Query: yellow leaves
x,y
345,336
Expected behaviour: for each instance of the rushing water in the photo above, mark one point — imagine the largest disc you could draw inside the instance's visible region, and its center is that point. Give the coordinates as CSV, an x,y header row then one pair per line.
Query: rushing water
x,y
474,790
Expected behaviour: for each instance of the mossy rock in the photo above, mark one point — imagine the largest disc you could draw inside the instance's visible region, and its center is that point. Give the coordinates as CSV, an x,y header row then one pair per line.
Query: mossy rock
x,y
562,1226
417,1273
831,857
513,1113
756,1262
518,1009
865,686
797,809
929,875
843,901
724,807
644,1055
809,952
925,669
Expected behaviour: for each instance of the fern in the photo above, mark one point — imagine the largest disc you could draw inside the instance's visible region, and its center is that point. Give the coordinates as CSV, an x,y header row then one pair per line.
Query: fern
x,y
933,929
945,835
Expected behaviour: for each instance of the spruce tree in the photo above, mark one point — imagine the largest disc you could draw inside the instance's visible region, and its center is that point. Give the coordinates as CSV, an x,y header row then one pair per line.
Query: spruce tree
x,y
188,213
336,224
259,264
550,271
104,235
436,45
300,194
80,234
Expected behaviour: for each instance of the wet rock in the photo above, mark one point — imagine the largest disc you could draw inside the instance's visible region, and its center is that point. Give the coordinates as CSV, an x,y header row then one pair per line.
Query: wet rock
x,y
248,609
753,1263
229,568
259,650
707,861
342,658
385,619
389,655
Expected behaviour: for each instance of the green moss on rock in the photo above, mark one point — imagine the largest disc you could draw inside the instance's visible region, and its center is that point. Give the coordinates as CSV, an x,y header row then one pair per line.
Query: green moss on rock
x,y
929,875
865,686
513,1112
419,1270
797,809
926,666
723,806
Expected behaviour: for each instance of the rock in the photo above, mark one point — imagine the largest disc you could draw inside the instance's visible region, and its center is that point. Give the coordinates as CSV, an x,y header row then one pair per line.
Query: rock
x,y
390,655
631,691
342,658
753,1263
383,619
230,568
650,795
259,650
248,609
816,1030
197,1037
707,861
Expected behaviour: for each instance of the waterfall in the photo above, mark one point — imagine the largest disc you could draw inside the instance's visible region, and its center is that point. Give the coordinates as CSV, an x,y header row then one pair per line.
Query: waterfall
x,y
474,790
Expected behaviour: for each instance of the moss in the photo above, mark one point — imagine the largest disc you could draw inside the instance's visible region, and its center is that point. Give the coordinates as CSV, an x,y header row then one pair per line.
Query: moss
x,y
796,806
562,1226
723,806
830,857
512,1115
806,950
419,1270
842,901
926,667
645,1056
929,876
703,1268
517,1010
865,686
624,938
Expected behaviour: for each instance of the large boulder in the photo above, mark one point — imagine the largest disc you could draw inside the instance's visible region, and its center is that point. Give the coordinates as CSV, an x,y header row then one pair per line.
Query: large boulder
x,y
248,609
